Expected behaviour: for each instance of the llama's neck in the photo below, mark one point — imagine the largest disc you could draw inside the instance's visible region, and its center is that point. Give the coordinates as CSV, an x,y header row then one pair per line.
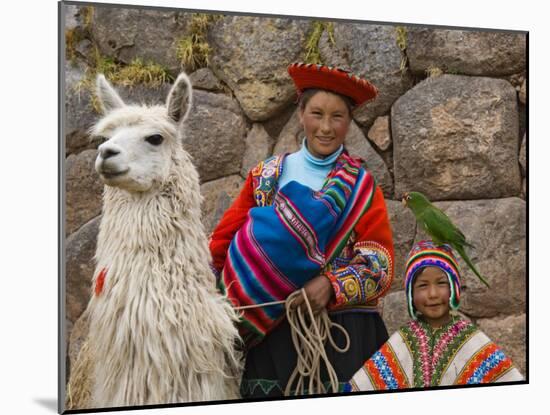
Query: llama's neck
x,y
159,226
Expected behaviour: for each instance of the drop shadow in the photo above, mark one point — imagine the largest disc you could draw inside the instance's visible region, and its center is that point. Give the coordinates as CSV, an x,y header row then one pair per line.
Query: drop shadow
x,y
47,403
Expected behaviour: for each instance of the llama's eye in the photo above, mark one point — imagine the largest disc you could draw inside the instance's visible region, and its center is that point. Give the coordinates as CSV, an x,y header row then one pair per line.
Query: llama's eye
x,y
155,139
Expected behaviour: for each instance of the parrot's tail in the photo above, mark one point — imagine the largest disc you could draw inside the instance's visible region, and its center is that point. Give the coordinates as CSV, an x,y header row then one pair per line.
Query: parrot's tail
x,y
469,245
466,259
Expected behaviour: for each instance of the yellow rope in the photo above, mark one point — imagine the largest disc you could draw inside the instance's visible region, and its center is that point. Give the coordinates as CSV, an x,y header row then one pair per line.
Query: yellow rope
x,y
244,307
309,333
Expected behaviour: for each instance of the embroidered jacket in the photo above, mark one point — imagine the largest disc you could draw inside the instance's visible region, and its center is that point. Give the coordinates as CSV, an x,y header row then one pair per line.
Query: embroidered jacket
x,y
363,271
418,356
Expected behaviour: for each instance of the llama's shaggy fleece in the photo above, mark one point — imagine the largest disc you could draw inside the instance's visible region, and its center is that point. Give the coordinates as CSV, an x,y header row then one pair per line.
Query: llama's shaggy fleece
x,y
159,332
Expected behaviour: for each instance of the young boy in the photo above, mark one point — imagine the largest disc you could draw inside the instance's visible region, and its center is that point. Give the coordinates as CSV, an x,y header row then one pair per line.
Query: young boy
x,y
434,348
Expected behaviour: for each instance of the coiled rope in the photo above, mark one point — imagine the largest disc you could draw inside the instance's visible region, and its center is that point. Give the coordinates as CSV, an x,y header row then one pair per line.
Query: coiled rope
x,y
309,333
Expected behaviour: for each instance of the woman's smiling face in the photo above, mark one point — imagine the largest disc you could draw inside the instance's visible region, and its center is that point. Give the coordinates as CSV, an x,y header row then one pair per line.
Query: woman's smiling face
x,y
326,120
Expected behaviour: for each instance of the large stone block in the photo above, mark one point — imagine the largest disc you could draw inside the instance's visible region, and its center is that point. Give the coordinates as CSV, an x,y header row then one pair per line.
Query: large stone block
x,y
215,135
251,55
466,52
456,137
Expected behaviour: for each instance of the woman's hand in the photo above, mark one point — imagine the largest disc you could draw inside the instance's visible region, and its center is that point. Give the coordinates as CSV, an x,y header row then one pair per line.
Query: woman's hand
x,y
319,292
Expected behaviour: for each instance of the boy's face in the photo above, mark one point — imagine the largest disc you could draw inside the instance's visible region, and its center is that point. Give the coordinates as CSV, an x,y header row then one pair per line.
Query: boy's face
x,y
431,294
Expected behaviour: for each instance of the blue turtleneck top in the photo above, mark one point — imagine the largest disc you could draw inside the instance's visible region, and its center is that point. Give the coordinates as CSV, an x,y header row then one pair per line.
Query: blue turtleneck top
x,y
307,169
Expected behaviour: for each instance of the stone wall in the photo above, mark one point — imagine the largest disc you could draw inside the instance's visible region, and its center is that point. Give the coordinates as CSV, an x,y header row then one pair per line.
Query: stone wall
x,y
449,121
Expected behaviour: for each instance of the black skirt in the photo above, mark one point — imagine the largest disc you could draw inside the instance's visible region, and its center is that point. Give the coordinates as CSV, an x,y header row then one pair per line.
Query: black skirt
x,y
269,364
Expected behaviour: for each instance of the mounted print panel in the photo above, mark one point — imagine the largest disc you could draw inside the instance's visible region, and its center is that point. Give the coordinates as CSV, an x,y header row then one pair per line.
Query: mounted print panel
x,y
240,224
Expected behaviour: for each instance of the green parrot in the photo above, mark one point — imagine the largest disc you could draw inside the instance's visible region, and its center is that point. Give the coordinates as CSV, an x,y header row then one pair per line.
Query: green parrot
x,y
439,226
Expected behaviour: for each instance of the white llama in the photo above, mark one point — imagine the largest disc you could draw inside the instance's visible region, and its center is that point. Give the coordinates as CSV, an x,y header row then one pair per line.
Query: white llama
x,y
159,331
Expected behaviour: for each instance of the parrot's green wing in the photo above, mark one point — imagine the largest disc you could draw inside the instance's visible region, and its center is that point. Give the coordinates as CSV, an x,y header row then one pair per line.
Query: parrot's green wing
x,y
440,227
442,230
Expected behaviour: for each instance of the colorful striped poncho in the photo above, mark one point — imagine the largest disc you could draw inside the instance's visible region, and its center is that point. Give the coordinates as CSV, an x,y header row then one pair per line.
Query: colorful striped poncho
x,y
417,356
281,246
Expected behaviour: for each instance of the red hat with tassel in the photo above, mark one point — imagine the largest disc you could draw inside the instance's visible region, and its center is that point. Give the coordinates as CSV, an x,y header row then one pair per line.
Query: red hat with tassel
x,y
310,75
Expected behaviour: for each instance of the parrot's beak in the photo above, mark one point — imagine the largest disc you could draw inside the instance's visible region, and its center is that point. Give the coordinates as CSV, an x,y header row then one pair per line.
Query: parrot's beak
x,y
404,200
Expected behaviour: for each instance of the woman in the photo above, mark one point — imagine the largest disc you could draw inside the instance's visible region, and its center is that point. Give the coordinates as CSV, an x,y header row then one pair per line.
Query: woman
x,y
313,219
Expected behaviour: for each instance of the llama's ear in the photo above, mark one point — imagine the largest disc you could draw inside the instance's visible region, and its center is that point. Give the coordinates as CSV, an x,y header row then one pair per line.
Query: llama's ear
x,y
180,98
108,97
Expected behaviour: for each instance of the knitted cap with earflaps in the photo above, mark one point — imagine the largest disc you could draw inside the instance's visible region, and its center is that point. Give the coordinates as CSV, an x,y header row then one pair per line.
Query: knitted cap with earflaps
x,y
426,254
